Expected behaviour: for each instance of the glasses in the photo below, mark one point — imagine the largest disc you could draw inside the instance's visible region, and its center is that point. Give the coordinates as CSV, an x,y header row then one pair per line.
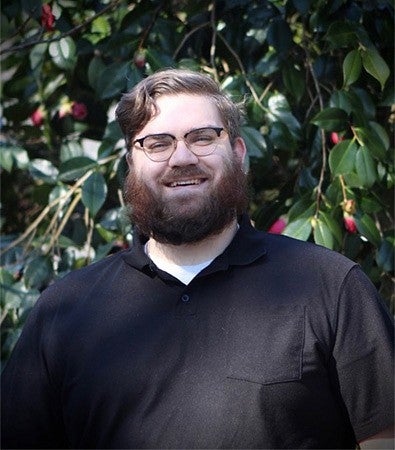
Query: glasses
x,y
160,147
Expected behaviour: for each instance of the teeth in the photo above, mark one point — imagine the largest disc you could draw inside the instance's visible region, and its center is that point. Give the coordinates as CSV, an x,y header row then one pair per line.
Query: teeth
x,y
184,183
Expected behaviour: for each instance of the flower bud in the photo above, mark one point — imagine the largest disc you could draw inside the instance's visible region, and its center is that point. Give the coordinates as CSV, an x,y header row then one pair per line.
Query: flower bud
x,y
37,117
139,59
349,224
335,138
79,111
47,18
278,226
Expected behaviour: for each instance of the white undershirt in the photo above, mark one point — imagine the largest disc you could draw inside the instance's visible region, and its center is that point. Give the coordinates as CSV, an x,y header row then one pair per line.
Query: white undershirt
x,y
183,273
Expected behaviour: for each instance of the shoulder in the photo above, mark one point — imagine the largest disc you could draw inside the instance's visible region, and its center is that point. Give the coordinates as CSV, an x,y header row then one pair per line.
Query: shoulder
x,y
290,251
78,282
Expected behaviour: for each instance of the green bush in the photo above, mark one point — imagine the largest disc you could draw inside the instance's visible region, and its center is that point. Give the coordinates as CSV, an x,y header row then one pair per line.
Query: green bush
x,y
317,82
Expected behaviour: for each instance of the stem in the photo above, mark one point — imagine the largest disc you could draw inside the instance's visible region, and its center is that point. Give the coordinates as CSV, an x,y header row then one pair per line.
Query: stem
x,y
151,24
89,225
66,217
247,81
323,143
343,185
187,36
213,41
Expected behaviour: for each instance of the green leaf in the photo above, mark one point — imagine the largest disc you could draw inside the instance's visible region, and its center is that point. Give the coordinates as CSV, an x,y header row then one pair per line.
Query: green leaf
x,y
43,170
70,149
37,56
6,277
75,167
280,111
6,159
365,167
112,80
331,119
38,272
341,34
63,53
333,226
279,35
385,256
282,137
158,60
102,251
302,6
381,133
94,192
322,234
301,209
367,227
100,29
299,229
352,66
369,138
346,100
342,157
294,81
255,142
95,69
107,235
375,65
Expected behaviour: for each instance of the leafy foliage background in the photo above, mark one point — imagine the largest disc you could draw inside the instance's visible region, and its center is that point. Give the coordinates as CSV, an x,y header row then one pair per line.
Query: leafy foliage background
x,y
317,79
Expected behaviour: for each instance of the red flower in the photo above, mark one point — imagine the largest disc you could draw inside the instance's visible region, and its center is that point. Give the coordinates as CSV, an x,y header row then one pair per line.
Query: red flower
x,y
350,225
47,18
79,111
278,226
37,117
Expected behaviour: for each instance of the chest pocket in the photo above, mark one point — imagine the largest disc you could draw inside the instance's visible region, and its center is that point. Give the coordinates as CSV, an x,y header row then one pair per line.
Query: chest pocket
x,y
266,347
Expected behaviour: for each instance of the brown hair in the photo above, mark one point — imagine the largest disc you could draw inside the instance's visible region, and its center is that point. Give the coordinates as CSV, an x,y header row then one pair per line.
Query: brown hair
x,y
138,106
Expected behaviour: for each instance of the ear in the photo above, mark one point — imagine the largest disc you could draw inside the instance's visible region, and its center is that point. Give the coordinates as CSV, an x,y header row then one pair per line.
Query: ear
x,y
240,149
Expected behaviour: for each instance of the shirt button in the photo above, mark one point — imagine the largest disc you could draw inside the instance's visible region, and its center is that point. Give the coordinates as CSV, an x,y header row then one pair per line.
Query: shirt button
x,y
185,298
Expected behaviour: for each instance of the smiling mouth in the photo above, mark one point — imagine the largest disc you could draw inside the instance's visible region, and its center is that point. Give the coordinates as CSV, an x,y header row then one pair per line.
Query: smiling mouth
x,y
194,182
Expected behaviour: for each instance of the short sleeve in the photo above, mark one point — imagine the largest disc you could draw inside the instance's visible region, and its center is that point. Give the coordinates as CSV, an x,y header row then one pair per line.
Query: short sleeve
x,y
363,356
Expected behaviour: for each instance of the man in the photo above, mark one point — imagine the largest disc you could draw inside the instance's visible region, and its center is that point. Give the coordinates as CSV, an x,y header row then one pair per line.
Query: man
x,y
206,333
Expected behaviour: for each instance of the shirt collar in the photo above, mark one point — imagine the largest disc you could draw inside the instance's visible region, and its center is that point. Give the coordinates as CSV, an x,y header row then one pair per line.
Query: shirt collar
x,y
246,247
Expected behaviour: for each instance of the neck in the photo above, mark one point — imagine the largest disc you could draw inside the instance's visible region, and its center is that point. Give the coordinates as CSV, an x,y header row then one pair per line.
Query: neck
x,y
196,253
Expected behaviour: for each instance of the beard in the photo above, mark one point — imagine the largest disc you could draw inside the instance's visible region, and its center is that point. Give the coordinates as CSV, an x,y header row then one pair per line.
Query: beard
x,y
176,222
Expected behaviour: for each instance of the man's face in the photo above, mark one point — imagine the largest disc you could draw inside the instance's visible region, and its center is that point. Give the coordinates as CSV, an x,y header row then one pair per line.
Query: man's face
x,y
187,197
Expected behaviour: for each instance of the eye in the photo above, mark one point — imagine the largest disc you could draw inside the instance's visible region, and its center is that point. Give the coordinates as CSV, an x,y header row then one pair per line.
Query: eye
x,y
158,143
204,136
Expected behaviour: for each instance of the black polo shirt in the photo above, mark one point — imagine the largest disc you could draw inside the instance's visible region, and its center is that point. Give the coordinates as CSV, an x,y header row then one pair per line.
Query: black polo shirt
x,y
276,344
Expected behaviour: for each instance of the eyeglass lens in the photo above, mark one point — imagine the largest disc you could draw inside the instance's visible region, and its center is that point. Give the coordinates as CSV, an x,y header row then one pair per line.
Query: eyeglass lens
x,y
199,141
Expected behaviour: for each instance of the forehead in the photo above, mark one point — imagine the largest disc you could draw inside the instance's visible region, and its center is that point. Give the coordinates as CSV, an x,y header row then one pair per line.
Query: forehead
x,y
181,113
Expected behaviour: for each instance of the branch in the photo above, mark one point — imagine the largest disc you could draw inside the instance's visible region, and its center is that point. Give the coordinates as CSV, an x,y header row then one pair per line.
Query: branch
x,y
213,41
324,149
66,217
243,71
71,32
151,24
187,36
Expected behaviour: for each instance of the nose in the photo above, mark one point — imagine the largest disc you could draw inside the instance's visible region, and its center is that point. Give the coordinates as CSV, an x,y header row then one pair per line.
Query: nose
x,y
182,156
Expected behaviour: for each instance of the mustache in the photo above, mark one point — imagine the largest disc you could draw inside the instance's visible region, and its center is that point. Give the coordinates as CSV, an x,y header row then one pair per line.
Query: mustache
x,y
183,172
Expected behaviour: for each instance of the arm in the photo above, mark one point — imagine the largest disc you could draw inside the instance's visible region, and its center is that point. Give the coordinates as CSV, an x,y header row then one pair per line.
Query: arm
x,y
363,353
